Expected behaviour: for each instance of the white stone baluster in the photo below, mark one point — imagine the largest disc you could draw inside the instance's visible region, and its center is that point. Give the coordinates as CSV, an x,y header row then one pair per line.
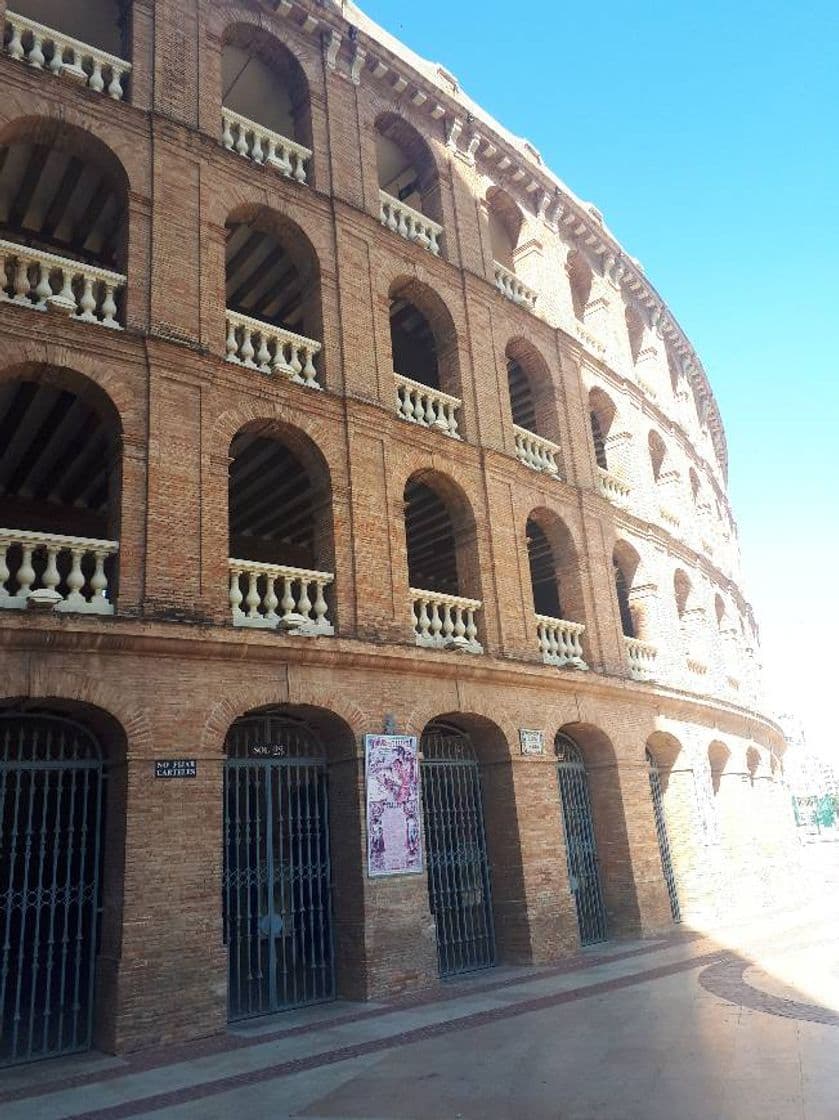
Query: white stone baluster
x,y
253,141
296,607
236,595
75,580
445,621
409,223
26,572
87,64
427,407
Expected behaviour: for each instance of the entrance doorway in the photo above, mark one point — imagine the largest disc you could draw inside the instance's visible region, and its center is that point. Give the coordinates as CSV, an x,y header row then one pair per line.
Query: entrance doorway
x,y
277,892
580,843
455,841
51,816
663,841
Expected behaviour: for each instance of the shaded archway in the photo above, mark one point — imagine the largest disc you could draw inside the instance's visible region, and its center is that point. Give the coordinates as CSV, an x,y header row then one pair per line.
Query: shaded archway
x,y
292,890
580,278
658,454
625,565
659,784
281,544
407,170
265,101
557,589
62,816
423,343
602,413
63,192
272,275
505,221
532,405
634,331
60,490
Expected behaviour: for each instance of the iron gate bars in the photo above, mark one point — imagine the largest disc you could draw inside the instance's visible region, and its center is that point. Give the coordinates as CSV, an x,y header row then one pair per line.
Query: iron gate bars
x,y
455,839
51,794
663,841
277,894
580,844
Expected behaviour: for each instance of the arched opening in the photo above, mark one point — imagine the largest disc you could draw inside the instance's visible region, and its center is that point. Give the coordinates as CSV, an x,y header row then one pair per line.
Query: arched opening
x,y
580,277
752,763
580,841
104,25
280,531
272,275
557,589
625,561
265,101
682,591
62,812
658,453
459,892
63,194
279,886
505,224
407,169
522,403
442,562
634,331
601,417
657,795
718,757
60,479
695,488
424,353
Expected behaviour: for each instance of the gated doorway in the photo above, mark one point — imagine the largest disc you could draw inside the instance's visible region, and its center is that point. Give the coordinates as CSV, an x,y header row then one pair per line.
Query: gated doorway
x,y
277,893
455,843
580,843
51,816
661,833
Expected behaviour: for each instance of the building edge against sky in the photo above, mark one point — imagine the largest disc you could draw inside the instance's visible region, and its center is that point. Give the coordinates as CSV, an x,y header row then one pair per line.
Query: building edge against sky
x,y
325,405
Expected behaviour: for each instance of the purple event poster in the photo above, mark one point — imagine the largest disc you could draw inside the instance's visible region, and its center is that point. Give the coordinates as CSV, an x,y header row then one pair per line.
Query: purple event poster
x,y
393,808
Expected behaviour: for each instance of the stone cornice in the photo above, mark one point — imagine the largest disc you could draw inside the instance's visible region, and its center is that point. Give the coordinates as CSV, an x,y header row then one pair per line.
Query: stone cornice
x,y
369,52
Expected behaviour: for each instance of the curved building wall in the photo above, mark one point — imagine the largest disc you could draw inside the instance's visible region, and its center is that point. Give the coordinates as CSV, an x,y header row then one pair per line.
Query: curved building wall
x,y
262,291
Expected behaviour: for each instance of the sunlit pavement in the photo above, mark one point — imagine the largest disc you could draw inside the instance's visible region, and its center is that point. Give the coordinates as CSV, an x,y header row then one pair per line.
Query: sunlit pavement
x,y
739,1025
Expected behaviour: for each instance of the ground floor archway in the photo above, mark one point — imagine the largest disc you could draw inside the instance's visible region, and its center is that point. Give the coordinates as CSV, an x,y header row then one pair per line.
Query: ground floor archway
x,y
580,842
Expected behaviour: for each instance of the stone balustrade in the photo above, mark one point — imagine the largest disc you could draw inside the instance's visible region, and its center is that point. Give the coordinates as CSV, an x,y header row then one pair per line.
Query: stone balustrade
x,y
256,586
51,570
260,144
44,48
697,668
669,517
44,281
612,487
445,621
535,452
641,658
514,289
409,223
590,340
560,641
427,407
273,350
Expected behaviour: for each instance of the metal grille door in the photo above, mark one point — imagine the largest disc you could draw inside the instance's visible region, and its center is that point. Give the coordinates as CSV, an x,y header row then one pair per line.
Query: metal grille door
x,y
458,869
277,890
51,792
580,845
663,842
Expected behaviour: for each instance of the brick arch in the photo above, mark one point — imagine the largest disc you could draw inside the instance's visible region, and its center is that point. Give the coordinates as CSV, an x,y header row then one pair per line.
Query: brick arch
x,y
721,760
422,294
665,750
595,744
490,731
46,686
227,709
566,560
416,148
96,387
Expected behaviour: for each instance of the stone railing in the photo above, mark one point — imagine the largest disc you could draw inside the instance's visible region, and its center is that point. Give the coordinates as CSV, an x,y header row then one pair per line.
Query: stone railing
x,y
590,340
44,562
514,289
427,407
535,452
559,641
254,141
43,47
669,517
258,345
409,223
612,487
445,621
257,585
697,667
640,657
44,281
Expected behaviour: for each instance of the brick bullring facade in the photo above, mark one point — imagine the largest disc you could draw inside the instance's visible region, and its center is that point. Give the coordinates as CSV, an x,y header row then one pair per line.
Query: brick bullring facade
x,y
322,397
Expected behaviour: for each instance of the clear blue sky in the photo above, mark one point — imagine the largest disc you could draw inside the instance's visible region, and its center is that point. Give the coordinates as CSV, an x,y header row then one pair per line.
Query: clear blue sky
x,y
707,136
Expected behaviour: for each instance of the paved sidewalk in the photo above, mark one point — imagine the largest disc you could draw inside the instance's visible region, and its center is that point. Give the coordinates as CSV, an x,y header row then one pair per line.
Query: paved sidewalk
x,y
735,1026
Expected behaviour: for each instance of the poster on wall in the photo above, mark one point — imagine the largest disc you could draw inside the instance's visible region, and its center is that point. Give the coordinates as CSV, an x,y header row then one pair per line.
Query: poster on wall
x,y
393,805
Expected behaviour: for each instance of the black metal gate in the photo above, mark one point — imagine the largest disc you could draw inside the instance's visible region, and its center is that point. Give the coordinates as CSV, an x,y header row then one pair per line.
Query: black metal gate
x,y
580,844
51,795
277,893
663,841
455,843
